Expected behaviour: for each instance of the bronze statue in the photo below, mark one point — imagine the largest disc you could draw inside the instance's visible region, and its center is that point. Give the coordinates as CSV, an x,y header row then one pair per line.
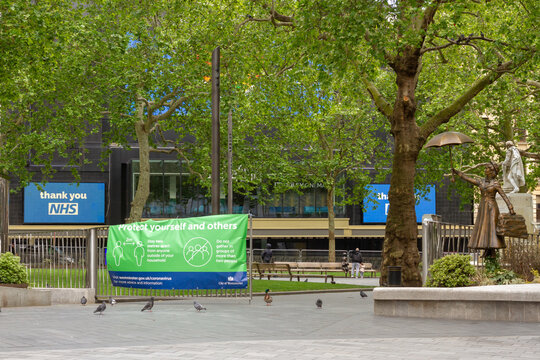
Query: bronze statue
x,y
484,235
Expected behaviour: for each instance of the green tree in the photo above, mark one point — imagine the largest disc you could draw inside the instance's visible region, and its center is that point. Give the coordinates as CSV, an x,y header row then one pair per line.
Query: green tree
x,y
48,101
474,42
327,139
159,54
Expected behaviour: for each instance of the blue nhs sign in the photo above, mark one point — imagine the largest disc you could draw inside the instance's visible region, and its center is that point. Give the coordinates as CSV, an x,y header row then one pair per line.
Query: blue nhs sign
x,y
377,213
63,203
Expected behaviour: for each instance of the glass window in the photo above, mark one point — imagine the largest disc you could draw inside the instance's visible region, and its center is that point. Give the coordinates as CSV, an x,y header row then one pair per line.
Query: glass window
x,y
290,206
174,193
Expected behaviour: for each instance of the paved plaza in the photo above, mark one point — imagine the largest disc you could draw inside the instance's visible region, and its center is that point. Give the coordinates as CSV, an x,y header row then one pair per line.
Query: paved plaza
x,y
291,328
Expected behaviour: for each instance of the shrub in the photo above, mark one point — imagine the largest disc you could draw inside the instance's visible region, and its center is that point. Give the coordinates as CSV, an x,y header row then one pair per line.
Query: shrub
x,y
11,270
505,277
497,274
451,271
522,256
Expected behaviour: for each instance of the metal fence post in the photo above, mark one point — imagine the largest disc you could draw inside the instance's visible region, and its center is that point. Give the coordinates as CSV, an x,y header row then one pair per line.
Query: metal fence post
x,y
430,241
91,258
250,257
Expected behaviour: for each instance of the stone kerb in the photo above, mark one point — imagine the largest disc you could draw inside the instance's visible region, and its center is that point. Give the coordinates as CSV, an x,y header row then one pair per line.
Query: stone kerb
x,y
501,302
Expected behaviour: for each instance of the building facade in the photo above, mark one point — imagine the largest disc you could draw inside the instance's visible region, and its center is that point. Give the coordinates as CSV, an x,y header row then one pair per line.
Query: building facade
x,y
289,220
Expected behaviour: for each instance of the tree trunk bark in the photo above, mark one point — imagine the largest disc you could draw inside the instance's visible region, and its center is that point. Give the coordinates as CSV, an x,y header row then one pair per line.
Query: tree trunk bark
x,y
400,246
331,225
143,186
4,215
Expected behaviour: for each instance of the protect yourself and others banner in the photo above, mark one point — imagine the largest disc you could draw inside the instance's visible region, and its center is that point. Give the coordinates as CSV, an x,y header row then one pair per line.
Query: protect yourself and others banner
x,y
206,252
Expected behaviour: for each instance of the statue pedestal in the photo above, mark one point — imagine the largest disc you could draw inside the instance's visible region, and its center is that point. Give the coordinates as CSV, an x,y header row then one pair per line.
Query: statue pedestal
x,y
523,205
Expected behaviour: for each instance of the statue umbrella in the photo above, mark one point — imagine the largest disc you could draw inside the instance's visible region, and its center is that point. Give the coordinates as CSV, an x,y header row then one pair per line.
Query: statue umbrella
x,y
449,138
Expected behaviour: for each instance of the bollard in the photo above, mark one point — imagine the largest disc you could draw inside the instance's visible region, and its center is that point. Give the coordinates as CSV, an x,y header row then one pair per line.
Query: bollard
x,y
91,259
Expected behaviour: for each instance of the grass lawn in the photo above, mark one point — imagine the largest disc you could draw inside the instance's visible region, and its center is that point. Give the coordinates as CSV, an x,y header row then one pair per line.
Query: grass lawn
x,y
278,285
76,278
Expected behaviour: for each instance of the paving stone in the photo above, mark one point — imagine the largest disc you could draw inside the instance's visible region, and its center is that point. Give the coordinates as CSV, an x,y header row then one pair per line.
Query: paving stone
x,y
292,328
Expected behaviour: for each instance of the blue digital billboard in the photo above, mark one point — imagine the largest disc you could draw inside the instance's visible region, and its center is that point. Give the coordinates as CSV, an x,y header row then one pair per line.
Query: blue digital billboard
x,y
63,203
377,213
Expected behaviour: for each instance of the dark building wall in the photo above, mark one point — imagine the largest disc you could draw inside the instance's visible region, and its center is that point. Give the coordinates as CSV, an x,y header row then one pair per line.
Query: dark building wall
x,y
96,170
115,172
451,209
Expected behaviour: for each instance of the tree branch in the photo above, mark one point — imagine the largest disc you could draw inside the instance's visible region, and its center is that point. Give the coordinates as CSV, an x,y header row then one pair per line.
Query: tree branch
x,y
164,100
530,155
285,68
384,107
446,114
175,105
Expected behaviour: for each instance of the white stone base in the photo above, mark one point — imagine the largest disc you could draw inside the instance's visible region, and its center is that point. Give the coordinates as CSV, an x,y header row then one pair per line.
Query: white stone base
x,y
523,205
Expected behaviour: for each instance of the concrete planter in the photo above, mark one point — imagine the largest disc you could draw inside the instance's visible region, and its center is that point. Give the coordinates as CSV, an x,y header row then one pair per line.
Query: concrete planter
x,y
16,296
21,286
496,302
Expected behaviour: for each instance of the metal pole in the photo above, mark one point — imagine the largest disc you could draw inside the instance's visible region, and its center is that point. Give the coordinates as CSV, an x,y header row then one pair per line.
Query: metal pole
x,y
4,216
430,241
426,222
229,164
91,259
250,279
215,132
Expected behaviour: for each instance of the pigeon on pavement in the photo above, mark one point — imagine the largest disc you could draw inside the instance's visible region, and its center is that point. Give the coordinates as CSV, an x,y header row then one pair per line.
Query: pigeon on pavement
x,y
318,303
198,306
149,305
101,308
83,300
363,294
112,301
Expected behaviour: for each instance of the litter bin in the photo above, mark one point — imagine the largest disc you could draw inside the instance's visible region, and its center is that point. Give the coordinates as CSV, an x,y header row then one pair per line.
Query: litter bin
x,y
394,276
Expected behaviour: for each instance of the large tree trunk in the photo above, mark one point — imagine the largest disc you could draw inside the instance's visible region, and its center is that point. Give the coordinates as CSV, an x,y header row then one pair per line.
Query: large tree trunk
x,y
331,225
400,243
4,215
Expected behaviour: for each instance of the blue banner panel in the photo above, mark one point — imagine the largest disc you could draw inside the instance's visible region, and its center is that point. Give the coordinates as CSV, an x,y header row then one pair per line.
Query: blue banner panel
x,y
377,213
63,203
179,280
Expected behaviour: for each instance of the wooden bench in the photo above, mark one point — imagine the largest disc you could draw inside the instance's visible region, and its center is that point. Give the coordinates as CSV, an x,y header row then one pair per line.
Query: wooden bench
x,y
305,266
273,270
325,267
368,269
284,269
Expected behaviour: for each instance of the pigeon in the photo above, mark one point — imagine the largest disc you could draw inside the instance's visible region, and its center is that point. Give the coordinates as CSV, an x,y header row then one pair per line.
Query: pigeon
x,y
363,294
101,308
267,297
83,300
112,301
198,306
318,303
305,280
149,305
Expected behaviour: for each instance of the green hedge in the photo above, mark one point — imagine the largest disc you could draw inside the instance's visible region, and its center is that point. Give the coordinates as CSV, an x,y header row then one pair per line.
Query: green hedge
x,y
451,271
11,270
